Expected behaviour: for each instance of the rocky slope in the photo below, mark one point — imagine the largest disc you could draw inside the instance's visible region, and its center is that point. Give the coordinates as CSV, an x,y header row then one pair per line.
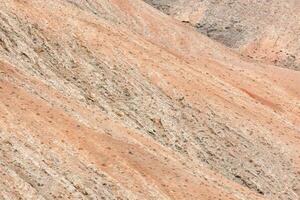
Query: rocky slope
x,y
266,31
99,102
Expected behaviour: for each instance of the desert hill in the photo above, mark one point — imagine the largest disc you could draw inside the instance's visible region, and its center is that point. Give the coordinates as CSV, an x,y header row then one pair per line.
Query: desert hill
x,y
111,99
266,31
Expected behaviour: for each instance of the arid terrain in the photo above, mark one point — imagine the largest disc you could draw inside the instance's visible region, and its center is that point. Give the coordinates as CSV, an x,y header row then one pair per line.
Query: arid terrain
x,y
266,31
113,99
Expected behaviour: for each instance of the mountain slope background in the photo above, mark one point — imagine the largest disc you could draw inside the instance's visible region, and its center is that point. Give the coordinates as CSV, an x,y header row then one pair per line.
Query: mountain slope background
x,y
115,100
266,31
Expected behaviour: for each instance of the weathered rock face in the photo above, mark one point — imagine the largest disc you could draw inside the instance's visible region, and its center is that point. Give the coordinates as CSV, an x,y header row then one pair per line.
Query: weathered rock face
x,y
162,5
113,100
267,31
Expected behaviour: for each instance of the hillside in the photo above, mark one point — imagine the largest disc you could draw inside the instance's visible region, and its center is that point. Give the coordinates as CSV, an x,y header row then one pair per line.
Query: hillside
x,y
111,99
266,31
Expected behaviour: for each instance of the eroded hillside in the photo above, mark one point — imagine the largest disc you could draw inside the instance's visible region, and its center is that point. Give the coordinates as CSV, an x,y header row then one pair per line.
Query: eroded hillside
x,y
267,31
110,99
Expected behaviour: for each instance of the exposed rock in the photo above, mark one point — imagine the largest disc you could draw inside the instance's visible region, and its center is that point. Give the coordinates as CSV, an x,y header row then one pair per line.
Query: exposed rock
x,y
266,31
110,99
